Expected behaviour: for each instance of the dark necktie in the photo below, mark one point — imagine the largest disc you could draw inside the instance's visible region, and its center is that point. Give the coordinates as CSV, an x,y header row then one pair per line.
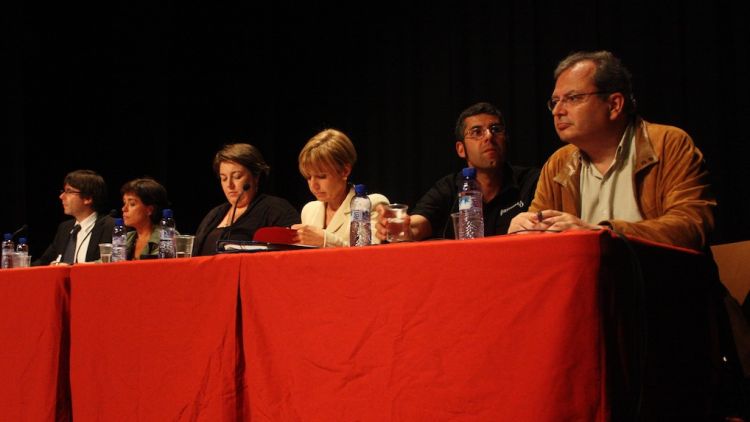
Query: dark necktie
x,y
70,248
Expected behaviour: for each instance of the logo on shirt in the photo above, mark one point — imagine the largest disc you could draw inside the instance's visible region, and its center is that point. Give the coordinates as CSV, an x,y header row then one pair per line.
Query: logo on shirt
x,y
517,204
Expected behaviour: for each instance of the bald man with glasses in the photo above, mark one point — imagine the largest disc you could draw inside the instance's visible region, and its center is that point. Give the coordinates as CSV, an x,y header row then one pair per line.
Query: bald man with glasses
x,y
618,170
77,240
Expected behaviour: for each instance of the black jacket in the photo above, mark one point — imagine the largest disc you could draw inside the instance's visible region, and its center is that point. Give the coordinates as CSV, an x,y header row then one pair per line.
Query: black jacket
x,y
101,233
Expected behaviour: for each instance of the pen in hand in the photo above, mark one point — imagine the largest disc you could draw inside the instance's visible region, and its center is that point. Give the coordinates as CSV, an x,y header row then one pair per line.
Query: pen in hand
x,y
539,217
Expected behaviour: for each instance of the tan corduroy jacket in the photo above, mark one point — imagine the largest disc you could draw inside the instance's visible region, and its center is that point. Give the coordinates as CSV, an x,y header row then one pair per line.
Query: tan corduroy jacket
x,y
670,181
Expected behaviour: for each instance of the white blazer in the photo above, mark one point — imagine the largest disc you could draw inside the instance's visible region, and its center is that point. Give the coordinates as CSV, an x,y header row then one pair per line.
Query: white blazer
x,y
337,232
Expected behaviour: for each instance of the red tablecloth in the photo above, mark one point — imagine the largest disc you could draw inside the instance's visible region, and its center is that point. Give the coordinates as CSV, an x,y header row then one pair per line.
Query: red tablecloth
x,y
526,327
155,340
485,330
34,383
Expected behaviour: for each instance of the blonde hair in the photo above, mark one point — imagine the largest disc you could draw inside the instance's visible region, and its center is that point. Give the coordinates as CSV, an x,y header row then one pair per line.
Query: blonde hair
x,y
328,150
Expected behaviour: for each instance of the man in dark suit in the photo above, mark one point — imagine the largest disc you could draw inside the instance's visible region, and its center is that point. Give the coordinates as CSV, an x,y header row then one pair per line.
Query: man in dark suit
x,y
77,240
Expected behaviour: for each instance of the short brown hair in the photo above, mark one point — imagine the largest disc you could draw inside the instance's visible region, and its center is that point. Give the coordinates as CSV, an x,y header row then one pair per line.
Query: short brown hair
x,y
245,155
91,186
329,149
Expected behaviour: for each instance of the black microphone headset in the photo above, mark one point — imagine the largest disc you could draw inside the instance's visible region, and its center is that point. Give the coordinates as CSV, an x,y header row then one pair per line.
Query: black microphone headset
x,y
228,233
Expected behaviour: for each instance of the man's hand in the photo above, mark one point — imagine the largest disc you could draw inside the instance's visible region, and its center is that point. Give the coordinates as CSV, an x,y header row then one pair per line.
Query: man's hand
x,y
527,222
60,263
548,220
562,221
381,227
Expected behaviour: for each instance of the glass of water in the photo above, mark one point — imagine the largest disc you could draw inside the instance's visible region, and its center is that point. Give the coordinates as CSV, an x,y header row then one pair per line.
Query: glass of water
x,y
105,252
184,245
397,223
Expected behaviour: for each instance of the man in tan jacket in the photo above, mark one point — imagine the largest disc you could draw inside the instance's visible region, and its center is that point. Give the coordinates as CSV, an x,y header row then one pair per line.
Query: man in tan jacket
x,y
618,171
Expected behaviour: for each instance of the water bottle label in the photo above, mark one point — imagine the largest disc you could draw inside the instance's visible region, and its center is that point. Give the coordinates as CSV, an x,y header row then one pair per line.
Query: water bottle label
x,y
359,215
119,250
464,203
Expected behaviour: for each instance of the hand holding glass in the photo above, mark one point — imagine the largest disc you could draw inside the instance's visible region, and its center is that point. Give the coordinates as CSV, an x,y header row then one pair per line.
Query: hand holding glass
x,y
397,223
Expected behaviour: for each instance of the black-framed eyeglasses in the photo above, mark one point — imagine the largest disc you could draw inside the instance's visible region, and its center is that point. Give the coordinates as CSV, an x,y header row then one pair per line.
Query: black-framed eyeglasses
x,y
571,99
69,192
478,132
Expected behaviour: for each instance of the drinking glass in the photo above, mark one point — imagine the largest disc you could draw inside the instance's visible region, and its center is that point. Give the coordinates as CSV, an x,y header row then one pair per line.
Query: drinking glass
x,y
184,245
105,252
454,219
397,223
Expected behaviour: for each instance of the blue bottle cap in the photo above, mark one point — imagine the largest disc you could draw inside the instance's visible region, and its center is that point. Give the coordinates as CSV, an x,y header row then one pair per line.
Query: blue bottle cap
x,y
21,240
166,213
469,172
119,222
8,236
360,189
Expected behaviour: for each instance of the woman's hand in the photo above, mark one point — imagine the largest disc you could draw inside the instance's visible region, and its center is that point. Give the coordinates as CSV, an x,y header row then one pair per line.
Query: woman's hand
x,y
308,235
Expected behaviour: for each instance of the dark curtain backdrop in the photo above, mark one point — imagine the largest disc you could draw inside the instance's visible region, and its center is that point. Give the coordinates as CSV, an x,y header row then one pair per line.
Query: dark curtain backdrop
x,y
155,90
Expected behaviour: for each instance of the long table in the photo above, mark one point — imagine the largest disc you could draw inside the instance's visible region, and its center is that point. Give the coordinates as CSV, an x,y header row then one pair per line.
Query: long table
x,y
543,327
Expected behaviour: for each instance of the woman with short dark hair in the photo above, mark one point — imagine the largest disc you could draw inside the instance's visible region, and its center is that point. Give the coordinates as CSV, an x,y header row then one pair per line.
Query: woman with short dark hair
x,y
143,200
241,169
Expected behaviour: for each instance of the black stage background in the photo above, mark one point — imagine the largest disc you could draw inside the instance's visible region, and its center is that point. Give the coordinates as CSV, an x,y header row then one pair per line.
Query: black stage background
x,y
131,90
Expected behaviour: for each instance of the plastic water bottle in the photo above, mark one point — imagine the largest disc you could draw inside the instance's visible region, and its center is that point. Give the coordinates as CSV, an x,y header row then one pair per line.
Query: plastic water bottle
x,y
119,248
470,218
22,247
9,248
360,232
22,253
167,235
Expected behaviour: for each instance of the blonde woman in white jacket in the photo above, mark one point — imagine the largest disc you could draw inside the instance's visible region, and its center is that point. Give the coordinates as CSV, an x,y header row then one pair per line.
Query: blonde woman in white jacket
x,y
326,162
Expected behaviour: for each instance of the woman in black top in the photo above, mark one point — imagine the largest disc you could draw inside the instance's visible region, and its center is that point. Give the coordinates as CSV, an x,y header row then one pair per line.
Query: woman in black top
x,y
240,168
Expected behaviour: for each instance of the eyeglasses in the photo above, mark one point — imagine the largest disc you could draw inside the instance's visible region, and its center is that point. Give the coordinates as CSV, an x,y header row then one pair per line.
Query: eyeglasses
x,y
69,192
478,132
571,99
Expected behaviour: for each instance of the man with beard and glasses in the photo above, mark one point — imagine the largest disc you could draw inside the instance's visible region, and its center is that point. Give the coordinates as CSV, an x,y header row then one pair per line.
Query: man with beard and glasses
x,y
481,140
